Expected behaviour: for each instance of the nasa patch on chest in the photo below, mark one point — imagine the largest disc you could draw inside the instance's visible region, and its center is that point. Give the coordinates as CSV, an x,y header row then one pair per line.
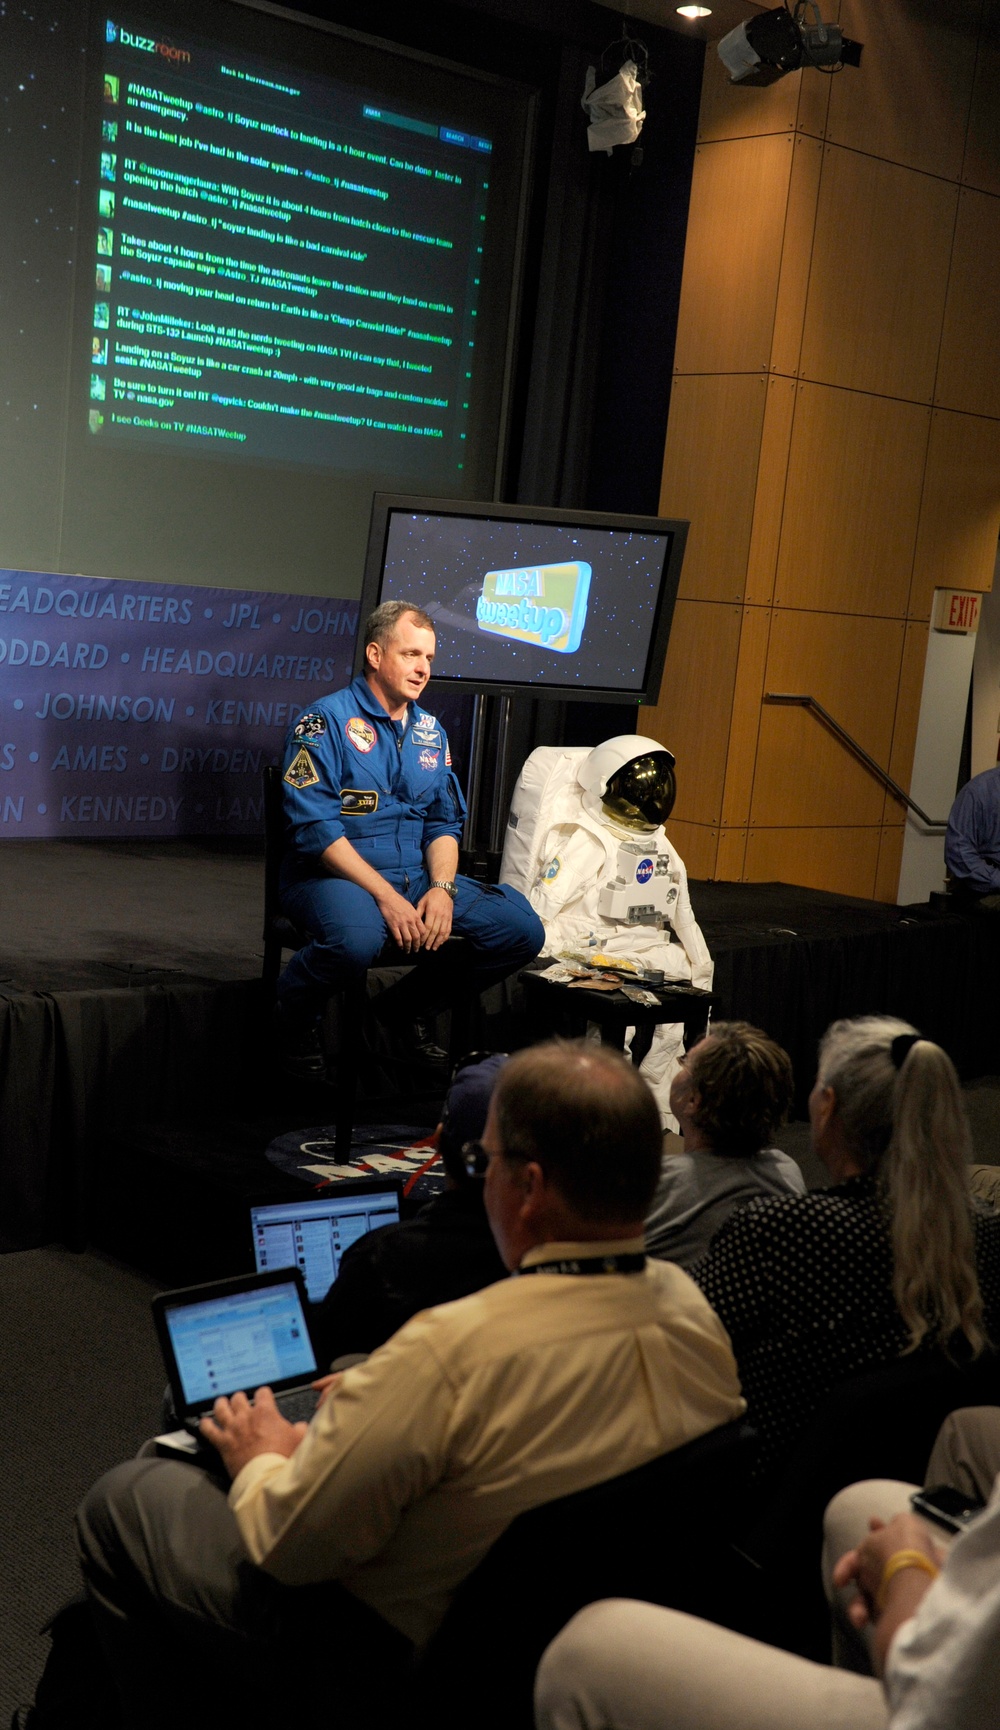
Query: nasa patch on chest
x,y
301,771
360,734
428,759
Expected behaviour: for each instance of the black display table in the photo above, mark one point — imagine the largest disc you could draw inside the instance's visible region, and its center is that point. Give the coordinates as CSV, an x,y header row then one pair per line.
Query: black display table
x,y
552,1007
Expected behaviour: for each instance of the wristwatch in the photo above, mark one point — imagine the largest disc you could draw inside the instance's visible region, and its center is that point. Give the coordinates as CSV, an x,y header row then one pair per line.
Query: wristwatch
x,y
449,888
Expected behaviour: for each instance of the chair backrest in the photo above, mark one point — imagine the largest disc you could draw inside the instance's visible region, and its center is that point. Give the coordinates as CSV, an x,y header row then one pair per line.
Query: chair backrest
x,y
274,840
881,1424
660,1533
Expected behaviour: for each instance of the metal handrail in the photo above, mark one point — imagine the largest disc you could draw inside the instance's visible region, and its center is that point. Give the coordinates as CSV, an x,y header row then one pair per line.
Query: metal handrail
x,y
852,744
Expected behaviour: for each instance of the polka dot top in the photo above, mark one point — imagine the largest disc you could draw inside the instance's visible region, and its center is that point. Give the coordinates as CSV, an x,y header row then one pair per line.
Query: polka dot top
x,y
803,1286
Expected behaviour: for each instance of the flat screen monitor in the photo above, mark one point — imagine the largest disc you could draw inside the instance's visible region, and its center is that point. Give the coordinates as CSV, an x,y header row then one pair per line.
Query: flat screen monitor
x,y
560,603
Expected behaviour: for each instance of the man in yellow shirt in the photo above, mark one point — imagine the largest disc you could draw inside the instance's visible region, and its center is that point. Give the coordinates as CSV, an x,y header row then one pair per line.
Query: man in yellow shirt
x,y
589,1362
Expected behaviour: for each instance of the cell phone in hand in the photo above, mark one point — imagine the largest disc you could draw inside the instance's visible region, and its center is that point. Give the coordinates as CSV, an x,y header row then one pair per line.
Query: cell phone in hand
x,y
946,1507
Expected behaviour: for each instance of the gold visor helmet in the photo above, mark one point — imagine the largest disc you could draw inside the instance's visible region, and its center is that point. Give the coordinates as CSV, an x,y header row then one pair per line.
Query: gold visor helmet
x,y
629,781
641,796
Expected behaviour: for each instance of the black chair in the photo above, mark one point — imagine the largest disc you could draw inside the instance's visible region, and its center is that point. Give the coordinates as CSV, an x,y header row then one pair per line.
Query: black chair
x,y
881,1424
351,1000
660,1533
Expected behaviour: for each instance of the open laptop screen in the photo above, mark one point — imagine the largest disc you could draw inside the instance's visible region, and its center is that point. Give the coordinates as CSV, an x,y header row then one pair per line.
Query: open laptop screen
x,y
313,1235
228,1339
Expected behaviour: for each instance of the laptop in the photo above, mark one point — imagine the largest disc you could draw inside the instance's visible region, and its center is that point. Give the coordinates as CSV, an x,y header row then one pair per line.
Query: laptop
x,y
238,1334
313,1234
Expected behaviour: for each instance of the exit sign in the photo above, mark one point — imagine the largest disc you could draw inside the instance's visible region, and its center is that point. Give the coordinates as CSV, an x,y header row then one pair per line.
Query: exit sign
x,y
957,610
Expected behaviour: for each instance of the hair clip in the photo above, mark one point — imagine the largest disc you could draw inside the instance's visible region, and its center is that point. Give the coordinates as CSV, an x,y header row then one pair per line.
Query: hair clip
x,y
901,1047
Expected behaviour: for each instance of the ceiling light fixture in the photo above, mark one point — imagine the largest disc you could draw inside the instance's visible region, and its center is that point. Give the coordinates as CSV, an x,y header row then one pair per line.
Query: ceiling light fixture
x,y
695,11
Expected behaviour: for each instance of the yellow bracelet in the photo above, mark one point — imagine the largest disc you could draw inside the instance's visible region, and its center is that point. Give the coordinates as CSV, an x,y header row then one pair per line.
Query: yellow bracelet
x,y
899,1560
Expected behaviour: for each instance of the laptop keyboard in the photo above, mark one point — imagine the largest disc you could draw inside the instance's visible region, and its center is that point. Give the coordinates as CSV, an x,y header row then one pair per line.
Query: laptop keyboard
x,y
298,1405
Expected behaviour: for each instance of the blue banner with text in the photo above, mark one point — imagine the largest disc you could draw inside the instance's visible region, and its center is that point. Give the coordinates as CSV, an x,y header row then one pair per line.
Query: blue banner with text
x,y
152,708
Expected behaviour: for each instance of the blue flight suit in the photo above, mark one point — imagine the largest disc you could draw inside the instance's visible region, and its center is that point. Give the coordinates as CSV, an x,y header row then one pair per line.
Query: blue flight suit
x,y
389,787
972,842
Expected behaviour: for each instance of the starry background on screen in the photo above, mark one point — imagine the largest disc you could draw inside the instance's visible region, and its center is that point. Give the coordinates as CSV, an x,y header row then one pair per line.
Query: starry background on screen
x,y
41,52
439,563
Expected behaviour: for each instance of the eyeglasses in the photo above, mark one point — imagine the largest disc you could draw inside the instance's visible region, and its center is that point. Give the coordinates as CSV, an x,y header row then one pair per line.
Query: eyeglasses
x,y
475,1158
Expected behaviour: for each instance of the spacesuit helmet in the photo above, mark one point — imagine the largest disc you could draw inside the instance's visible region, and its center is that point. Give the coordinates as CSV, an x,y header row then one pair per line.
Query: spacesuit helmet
x,y
629,781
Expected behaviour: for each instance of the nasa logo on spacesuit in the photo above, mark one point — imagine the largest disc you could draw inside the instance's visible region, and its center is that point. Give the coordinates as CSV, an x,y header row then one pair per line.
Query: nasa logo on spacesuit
x,y
552,870
362,736
429,759
644,870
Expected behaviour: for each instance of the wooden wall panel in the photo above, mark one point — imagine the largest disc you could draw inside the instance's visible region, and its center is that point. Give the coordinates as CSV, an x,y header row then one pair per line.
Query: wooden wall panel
x,y
909,690
852,502
796,254
969,369
909,101
709,476
729,111
890,859
981,167
730,856
959,510
841,860
696,845
804,775
738,197
769,504
750,674
879,276
692,717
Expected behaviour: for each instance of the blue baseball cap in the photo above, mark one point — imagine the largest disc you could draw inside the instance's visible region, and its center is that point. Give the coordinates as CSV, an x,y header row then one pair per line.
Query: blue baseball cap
x,y
463,1115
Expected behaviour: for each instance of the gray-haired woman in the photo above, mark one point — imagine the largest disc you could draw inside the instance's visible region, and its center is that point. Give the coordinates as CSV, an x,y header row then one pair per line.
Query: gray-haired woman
x,y
896,1256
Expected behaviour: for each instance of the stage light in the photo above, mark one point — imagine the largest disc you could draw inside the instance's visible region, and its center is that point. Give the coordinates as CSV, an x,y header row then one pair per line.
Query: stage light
x,y
773,43
695,11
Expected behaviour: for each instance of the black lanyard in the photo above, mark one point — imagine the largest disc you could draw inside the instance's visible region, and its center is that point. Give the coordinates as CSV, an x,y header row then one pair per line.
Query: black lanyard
x,y
634,1261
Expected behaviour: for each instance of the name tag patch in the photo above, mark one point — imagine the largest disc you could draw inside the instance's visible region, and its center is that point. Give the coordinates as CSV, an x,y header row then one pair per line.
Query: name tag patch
x,y
361,735
425,733
429,759
302,771
311,726
355,802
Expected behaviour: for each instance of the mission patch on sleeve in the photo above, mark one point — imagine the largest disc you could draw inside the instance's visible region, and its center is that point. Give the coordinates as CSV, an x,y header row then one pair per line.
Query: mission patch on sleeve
x,y
357,803
310,726
301,771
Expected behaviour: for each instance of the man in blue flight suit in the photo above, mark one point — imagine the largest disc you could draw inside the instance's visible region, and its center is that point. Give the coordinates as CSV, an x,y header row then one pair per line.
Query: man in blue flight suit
x,y
374,813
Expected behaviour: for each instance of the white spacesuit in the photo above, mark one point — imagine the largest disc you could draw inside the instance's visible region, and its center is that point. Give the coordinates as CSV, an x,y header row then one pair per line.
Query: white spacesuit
x,y
585,842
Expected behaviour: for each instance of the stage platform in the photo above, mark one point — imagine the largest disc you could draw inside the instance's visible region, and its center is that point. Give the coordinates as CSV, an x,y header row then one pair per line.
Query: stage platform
x,y
131,1016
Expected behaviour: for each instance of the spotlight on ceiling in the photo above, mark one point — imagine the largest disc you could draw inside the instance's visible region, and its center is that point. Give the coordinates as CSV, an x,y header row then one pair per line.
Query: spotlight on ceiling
x,y
773,43
695,11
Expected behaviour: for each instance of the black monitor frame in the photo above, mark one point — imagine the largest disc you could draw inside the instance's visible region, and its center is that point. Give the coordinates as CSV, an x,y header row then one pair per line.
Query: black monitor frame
x,y
385,504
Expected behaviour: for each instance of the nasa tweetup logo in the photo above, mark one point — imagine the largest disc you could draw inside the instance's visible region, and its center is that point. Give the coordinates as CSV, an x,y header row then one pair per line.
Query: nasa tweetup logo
x,y
545,605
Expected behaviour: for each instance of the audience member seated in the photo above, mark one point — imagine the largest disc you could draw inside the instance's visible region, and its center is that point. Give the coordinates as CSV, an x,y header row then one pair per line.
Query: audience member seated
x,y
922,1613
340,1543
445,1252
896,1256
972,842
730,1095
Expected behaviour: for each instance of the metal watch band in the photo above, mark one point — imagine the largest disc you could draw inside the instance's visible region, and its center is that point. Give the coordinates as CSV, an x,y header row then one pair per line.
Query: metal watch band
x,y
449,888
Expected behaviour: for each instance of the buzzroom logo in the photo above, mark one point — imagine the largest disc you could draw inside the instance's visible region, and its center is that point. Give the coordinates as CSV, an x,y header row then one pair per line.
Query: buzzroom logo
x,y
146,44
